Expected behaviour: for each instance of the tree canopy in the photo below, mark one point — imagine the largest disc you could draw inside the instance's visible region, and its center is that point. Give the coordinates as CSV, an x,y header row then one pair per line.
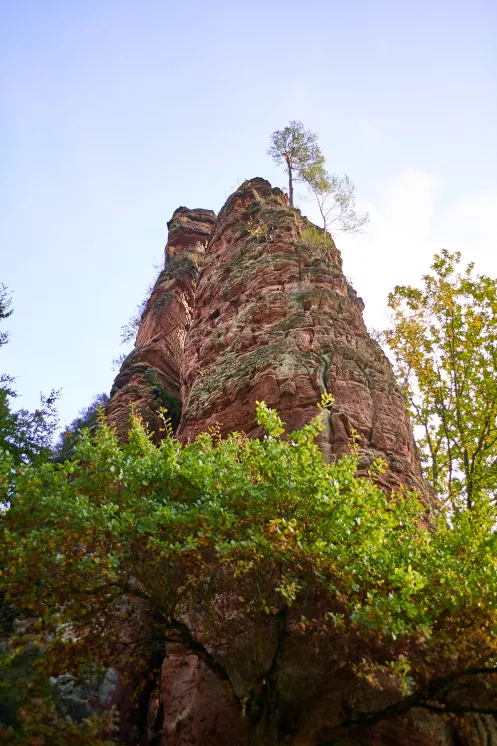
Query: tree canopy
x,y
234,547
27,436
297,149
444,340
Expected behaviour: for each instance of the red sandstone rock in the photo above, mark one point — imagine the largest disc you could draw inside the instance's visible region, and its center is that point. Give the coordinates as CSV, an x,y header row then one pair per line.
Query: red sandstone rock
x,y
150,376
277,321
191,707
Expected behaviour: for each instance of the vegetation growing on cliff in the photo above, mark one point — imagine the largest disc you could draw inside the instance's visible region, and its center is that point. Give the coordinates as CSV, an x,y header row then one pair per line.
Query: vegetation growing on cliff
x,y
297,149
335,197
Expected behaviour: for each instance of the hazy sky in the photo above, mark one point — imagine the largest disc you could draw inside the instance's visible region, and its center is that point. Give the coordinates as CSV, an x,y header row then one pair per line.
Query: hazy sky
x,y
114,113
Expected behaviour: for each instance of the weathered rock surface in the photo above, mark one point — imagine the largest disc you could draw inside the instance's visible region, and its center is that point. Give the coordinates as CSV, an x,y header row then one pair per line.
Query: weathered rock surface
x,y
190,706
149,378
275,320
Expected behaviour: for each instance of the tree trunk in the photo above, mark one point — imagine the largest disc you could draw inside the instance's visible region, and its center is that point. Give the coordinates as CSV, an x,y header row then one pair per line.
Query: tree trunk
x,y
290,183
150,730
264,723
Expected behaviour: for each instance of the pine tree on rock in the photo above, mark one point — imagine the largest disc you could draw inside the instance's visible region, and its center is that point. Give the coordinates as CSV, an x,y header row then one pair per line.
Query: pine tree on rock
x,y
297,149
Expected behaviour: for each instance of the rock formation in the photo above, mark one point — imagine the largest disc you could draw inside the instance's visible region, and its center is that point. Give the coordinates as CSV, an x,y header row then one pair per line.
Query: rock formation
x,y
262,312
275,320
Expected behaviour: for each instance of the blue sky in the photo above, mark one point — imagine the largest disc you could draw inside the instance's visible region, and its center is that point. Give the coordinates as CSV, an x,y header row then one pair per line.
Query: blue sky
x,y
114,113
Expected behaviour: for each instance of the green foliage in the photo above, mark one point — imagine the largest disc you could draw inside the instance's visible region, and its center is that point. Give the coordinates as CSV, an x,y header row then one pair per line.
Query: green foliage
x,y
167,401
335,196
297,149
186,264
39,725
315,242
26,436
87,418
258,229
230,545
444,339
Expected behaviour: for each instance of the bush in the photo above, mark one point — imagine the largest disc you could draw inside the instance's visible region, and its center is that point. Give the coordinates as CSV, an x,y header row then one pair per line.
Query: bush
x,y
315,242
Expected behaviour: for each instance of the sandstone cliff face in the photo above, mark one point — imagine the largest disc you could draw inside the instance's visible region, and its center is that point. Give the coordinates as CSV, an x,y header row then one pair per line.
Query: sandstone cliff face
x,y
150,376
275,320
247,309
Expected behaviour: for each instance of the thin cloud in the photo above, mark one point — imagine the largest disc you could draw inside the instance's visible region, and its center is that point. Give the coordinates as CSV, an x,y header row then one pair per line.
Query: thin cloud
x,y
407,228
371,134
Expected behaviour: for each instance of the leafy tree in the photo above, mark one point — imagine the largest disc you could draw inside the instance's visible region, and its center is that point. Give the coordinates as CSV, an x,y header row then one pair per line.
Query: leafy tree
x,y
87,418
26,435
297,149
5,311
444,340
335,196
255,554
26,439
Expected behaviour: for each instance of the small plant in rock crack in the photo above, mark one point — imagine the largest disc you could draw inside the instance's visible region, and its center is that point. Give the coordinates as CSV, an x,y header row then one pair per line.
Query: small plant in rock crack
x,y
259,230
